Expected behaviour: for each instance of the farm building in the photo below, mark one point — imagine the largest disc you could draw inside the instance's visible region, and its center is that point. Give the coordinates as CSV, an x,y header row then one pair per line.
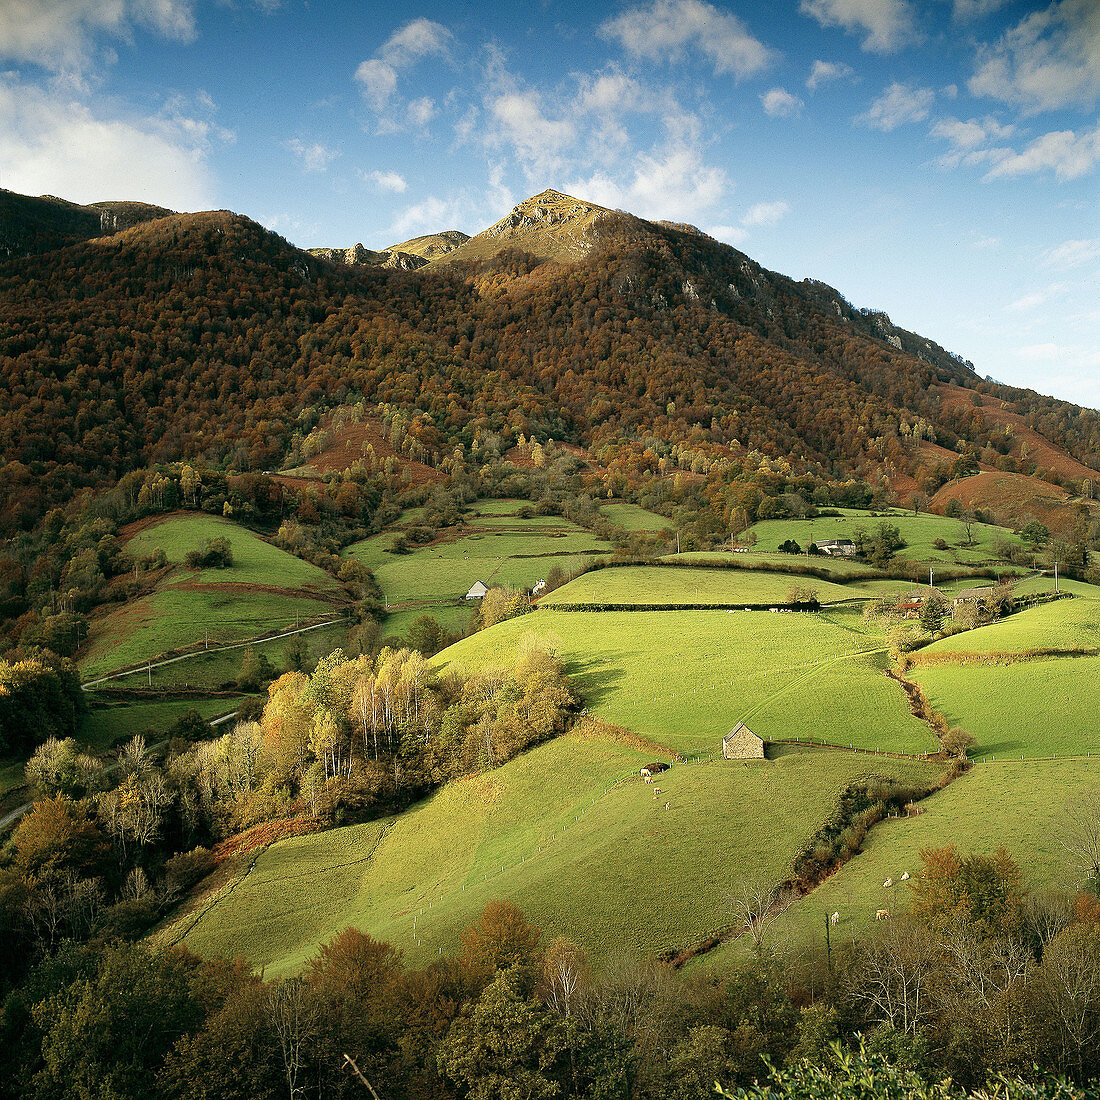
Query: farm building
x,y
477,591
742,744
650,770
837,548
985,599
911,602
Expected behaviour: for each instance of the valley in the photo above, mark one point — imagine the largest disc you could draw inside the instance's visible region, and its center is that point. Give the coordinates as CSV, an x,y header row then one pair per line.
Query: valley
x,y
368,584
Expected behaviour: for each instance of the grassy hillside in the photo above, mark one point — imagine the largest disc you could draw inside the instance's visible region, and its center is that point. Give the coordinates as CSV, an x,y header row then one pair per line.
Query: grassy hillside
x,y
633,517
1061,624
265,589
686,677
1027,708
616,869
497,547
918,531
254,561
673,585
977,812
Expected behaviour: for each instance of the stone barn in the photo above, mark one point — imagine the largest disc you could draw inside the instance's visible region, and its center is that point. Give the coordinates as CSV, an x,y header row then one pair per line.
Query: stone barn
x,y
742,744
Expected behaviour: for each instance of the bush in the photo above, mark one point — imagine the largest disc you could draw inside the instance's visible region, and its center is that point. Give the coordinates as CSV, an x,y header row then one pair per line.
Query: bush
x,y
211,554
183,871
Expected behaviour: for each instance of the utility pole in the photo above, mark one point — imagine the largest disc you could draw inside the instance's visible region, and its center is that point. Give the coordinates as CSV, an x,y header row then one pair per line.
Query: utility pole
x,y
1056,576
930,589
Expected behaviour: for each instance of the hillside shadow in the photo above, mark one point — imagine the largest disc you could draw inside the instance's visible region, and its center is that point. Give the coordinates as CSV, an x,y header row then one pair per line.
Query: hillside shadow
x,y
596,680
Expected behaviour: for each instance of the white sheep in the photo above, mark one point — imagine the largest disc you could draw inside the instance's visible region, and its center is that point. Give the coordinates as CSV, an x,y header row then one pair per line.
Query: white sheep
x,y
888,883
905,877
835,919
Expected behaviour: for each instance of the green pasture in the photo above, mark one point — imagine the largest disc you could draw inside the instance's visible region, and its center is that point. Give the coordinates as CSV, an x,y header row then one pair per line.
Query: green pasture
x,y
502,508
254,561
455,617
266,589
684,678
608,853
639,584
1045,583
105,726
446,570
1026,708
179,613
838,569
977,812
918,531
1061,624
214,668
633,517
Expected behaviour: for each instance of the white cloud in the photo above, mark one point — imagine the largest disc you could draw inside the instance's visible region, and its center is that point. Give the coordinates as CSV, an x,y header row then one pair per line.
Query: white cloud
x,y
1049,60
386,181
823,72
379,81
971,134
731,234
419,39
1071,254
313,156
60,34
898,105
887,25
51,145
779,103
519,121
1067,154
1036,298
421,111
431,214
967,11
413,42
609,93
676,186
765,214
667,29
1043,353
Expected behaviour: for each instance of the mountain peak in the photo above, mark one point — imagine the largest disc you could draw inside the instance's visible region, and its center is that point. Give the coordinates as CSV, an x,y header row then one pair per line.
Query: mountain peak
x,y
550,225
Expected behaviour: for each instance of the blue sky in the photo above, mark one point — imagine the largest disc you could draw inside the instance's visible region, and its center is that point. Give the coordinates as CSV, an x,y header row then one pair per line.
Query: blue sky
x,y
938,159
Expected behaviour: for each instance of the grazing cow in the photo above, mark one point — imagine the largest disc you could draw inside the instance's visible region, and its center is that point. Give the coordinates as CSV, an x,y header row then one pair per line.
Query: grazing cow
x,y
835,919
656,791
667,804
882,914
647,777
905,877
888,883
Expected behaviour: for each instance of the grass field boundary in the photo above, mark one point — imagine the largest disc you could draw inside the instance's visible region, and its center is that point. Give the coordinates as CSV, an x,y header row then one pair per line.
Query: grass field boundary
x,y
773,607
172,656
949,571
921,756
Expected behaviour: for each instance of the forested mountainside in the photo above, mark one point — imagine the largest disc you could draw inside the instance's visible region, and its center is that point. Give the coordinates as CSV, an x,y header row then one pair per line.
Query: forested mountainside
x,y
29,226
205,337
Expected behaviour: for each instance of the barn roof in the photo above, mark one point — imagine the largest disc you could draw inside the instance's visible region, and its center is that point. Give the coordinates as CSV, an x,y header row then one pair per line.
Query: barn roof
x,y
740,729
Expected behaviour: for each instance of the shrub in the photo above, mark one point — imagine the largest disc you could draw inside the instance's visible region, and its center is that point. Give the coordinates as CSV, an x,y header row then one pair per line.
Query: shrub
x,y
211,554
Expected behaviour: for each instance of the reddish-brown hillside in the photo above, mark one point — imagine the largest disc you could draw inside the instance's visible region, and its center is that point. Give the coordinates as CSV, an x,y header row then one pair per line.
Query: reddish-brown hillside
x,y
1013,499
1029,444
